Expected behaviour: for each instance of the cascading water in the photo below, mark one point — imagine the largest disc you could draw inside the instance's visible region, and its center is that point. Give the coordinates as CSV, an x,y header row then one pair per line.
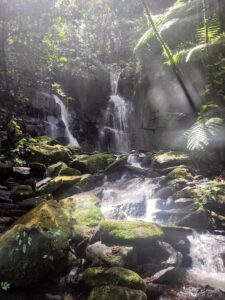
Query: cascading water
x,y
54,130
133,198
208,267
115,133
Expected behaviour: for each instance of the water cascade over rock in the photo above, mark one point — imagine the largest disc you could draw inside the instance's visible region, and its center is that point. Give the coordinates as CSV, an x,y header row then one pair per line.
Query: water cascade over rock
x,y
114,136
56,130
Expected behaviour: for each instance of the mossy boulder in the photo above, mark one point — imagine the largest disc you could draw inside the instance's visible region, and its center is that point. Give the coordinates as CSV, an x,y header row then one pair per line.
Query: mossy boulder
x,y
94,277
116,293
99,162
170,159
29,250
49,154
65,186
180,172
38,243
129,232
54,170
114,256
20,192
38,169
69,172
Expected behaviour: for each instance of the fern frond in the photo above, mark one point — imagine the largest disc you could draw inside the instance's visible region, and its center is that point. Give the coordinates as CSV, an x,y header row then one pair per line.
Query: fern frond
x,y
204,132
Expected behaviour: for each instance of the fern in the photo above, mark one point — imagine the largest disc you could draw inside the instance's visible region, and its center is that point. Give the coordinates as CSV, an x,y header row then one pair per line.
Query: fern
x,y
213,31
205,132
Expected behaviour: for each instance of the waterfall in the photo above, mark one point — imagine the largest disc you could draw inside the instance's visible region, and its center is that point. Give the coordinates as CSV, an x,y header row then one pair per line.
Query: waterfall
x,y
54,129
115,132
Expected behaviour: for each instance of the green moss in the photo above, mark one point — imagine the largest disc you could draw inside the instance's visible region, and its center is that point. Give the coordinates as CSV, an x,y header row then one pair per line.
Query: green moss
x,y
94,277
129,232
168,159
180,172
116,293
99,162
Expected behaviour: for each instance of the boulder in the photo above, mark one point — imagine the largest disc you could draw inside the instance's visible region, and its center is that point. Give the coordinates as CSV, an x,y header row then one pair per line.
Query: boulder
x,y
170,159
114,256
21,172
116,169
116,293
129,232
79,165
94,277
69,172
49,154
54,170
37,245
38,169
99,162
5,169
20,192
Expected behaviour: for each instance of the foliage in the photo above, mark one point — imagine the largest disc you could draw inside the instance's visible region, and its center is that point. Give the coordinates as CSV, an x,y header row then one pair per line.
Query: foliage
x,y
5,285
208,130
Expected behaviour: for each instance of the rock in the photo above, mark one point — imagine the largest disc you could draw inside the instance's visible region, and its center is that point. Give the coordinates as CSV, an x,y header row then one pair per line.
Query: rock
x,y
116,293
34,202
147,160
78,165
6,220
177,237
38,169
54,170
21,192
40,240
94,277
164,193
21,172
5,196
115,256
99,162
116,169
129,232
48,154
69,172
170,275
181,203
169,159
5,169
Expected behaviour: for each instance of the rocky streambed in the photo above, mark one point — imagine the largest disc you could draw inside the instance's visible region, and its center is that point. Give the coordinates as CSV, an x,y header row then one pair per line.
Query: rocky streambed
x,y
103,226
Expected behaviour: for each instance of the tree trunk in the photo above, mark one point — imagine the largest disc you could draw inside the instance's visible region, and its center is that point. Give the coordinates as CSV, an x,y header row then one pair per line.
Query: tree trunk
x,y
166,49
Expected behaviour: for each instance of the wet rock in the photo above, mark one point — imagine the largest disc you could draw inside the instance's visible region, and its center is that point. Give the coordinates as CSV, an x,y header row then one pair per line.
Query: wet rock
x,y
69,172
21,172
5,169
42,238
115,170
38,169
54,170
129,232
49,154
114,256
164,193
79,165
146,161
6,220
33,202
21,192
94,277
5,196
116,293
169,159
99,162
170,275
182,202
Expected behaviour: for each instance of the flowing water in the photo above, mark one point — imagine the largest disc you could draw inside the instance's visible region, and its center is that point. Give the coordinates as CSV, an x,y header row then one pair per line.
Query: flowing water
x,y
133,198
114,135
72,141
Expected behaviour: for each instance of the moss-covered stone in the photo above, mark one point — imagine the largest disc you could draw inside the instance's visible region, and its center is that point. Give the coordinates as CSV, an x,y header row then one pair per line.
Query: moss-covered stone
x,y
99,162
116,293
65,186
94,277
180,172
169,159
69,172
129,232
54,170
114,256
37,244
48,154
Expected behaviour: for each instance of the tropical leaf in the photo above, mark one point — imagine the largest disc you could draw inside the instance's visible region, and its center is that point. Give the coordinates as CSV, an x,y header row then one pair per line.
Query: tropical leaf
x,y
205,132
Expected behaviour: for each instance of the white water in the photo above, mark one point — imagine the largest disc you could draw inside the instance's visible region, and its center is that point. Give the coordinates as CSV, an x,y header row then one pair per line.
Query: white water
x,y
72,141
208,267
116,125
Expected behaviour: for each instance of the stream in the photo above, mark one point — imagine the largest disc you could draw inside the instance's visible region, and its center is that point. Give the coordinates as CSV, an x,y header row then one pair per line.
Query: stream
x,y
133,198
